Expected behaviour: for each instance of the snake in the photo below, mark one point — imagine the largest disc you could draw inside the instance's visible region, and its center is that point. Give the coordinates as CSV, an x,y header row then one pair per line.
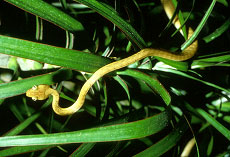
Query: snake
x,y
42,92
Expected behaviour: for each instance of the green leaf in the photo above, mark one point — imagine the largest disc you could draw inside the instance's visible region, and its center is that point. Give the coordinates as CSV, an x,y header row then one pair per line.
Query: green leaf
x,y
123,84
152,82
192,77
221,60
23,125
210,146
224,2
49,13
23,149
217,59
126,131
72,59
110,14
183,66
200,26
218,32
223,130
21,86
166,143
83,150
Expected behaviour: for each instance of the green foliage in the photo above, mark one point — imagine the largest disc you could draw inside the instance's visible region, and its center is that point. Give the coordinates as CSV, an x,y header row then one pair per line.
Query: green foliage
x,y
155,107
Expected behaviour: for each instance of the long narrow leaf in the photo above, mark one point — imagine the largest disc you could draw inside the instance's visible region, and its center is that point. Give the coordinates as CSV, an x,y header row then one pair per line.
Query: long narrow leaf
x,y
218,32
132,130
112,16
223,130
166,143
23,149
49,13
193,78
200,26
21,86
83,150
154,83
72,59
23,125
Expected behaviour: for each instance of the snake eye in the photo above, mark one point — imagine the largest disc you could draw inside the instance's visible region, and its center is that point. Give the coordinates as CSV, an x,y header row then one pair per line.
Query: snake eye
x,y
34,98
34,87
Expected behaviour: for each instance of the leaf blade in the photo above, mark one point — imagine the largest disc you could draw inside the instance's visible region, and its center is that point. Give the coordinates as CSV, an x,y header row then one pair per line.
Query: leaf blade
x,y
72,59
112,16
49,13
131,130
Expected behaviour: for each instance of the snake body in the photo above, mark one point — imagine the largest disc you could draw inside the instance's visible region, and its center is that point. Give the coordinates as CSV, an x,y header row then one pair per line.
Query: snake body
x,y
42,92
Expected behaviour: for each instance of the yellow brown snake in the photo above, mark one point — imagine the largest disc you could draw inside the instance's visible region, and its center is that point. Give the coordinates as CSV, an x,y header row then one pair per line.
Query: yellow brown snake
x,y
42,92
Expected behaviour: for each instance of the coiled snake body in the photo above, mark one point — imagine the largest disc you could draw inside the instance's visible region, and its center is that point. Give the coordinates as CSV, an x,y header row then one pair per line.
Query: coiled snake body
x,y
42,92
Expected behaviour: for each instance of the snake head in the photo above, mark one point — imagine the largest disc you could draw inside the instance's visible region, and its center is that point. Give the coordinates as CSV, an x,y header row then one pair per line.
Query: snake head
x,y
38,92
